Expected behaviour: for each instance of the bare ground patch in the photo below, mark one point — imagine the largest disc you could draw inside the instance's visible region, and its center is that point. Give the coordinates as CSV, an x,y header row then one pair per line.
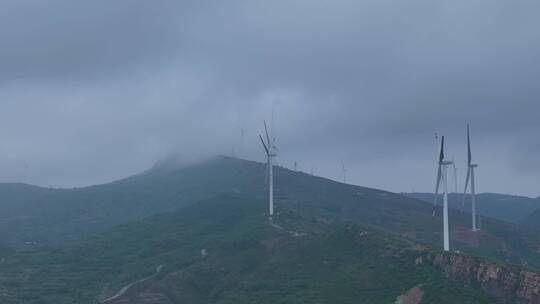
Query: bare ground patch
x,y
413,296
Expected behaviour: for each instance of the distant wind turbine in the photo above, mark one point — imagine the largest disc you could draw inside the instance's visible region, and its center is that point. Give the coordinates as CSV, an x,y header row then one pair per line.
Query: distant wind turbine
x,y
344,170
470,176
242,135
270,150
454,176
442,178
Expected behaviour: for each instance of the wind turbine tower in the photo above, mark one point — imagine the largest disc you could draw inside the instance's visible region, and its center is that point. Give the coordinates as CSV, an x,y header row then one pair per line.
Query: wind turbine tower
x,y
442,178
455,176
242,135
344,170
270,149
470,176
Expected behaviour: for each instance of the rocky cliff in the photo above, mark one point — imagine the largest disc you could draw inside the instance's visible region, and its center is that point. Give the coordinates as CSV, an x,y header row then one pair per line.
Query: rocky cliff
x,y
509,284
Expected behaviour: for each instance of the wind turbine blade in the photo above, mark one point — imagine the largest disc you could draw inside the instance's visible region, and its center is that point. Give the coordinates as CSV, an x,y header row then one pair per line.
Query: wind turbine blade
x,y
439,175
267,136
454,173
266,176
455,176
469,155
441,155
438,183
264,145
466,185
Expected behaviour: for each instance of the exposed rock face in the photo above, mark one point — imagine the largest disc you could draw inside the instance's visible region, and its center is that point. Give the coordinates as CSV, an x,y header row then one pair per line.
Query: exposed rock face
x,y
509,284
413,296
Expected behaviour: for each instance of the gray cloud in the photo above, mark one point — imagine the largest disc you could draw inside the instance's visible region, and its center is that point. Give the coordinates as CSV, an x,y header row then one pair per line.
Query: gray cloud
x,y
98,90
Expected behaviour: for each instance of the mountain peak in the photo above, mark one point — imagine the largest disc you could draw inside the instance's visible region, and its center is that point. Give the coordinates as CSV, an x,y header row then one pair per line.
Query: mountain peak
x,y
178,161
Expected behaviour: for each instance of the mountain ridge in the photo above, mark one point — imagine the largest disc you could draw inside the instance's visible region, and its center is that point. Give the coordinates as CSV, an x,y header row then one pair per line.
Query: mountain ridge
x,y
69,215
506,207
75,213
218,227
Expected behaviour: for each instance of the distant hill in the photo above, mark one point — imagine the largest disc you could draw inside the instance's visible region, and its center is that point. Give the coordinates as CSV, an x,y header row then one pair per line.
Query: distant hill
x,y
33,214
51,216
505,207
329,243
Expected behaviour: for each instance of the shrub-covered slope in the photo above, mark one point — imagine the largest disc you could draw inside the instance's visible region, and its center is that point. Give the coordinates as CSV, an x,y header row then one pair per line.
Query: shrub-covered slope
x,y
224,250
56,215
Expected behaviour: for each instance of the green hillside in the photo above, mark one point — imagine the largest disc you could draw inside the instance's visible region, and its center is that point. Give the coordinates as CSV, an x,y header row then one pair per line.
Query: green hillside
x,y
59,215
247,261
330,242
33,214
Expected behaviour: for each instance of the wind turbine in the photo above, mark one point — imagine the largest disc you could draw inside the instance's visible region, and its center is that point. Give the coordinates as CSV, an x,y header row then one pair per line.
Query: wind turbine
x,y
443,179
242,135
344,172
270,150
470,176
454,176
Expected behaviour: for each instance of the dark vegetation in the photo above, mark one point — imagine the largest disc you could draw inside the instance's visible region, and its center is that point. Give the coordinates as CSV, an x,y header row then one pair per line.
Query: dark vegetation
x,y
360,244
248,261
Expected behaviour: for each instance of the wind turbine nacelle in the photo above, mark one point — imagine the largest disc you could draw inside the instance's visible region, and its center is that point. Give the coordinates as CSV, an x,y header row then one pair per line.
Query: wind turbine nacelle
x,y
446,163
473,165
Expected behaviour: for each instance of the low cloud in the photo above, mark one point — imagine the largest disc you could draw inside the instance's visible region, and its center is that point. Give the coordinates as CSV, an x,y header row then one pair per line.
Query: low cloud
x,y
95,91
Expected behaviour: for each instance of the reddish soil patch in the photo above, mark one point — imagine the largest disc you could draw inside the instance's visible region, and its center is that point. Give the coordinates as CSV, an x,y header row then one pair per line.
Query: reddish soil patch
x,y
413,296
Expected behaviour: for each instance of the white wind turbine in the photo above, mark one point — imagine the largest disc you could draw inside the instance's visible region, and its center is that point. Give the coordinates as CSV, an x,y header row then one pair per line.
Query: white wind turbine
x,y
270,150
470,176
443,179
344,170
454,176
242,135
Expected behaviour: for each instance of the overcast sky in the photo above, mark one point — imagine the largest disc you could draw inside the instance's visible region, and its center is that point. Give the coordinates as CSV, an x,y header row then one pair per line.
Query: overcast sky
x,y
92,91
